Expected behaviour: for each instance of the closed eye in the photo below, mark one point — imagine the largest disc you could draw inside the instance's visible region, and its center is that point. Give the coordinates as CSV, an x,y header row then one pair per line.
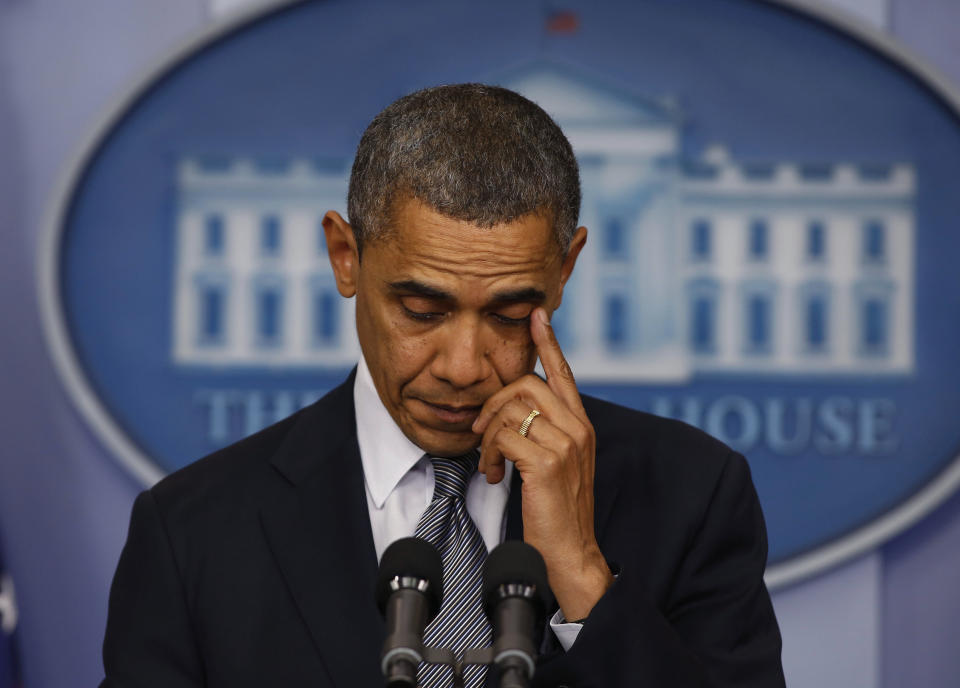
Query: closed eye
x,y
511,322
421,308
423,317
515,314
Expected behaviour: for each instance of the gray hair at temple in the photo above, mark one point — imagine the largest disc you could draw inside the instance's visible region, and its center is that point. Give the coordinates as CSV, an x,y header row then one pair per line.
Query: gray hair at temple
x,y
477,153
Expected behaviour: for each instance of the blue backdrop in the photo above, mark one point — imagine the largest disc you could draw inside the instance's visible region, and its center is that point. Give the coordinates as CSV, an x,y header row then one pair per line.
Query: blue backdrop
x,y
768,83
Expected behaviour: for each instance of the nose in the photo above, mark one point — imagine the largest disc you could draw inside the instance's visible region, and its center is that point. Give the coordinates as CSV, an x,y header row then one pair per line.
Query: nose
x,y
461,358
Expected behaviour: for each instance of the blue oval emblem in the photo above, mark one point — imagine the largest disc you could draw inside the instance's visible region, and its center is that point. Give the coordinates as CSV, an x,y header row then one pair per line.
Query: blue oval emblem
x,y
771,253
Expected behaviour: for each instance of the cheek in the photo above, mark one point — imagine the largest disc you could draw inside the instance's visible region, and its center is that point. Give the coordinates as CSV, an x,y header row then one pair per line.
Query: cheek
x,y
386,348
406,355
513,356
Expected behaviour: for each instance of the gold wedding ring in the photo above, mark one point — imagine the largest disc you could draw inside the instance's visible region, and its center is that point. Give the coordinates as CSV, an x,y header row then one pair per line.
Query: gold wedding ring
x,y
525,426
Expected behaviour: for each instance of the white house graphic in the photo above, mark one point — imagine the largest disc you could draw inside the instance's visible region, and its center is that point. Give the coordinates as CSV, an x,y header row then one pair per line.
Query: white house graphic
x,y
706,265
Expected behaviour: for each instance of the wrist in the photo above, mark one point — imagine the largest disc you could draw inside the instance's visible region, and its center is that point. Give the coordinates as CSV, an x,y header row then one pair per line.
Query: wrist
x,y
579,588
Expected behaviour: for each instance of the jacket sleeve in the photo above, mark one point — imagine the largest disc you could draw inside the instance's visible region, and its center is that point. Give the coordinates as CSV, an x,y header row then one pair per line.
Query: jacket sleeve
x,y
149,642
716,628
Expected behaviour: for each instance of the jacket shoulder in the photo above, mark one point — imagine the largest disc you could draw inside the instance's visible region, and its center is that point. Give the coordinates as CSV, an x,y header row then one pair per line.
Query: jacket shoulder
x,y
665,461
646,436
239,472
227,465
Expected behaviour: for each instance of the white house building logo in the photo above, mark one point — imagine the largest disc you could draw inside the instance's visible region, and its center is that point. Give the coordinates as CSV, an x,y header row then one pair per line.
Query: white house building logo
x,y
696,266
769,258
253,285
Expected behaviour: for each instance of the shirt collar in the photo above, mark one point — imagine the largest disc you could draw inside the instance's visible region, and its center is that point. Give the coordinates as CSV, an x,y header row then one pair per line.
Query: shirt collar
x,y
386,453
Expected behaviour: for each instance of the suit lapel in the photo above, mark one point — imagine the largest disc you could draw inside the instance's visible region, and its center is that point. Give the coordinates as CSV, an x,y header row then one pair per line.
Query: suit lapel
x,y
608,473
318,527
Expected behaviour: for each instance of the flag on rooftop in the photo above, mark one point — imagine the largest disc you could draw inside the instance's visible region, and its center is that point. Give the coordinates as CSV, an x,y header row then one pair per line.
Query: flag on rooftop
x,y
562,21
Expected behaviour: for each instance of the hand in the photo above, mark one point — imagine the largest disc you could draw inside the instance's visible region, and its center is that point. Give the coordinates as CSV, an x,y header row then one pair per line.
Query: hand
x,y
556,461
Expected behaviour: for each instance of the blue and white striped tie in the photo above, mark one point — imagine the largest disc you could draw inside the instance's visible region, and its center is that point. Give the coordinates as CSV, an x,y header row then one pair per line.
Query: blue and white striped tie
x,y
461,623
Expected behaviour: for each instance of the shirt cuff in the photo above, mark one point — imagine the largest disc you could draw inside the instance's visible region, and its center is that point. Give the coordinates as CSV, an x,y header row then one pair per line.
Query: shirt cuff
x,y
565,631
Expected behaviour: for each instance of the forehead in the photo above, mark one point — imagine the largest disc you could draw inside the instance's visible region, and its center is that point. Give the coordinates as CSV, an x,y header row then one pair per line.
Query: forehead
x,y
430,244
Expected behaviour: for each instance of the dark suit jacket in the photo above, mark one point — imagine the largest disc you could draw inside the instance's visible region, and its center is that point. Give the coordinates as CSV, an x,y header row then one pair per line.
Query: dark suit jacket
x,y
255,566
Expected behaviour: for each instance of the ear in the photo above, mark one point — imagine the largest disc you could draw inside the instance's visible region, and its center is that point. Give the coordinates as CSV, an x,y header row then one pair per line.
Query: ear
x,y
343,253
576,245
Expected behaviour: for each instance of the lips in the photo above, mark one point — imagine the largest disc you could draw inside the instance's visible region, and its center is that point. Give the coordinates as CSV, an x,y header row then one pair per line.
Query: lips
x,y
453,414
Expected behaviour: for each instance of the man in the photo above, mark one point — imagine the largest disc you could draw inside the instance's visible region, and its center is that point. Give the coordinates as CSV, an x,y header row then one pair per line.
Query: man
x,y
255,566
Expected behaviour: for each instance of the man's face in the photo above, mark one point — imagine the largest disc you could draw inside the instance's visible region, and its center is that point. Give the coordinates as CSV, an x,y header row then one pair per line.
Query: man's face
x,y
443,314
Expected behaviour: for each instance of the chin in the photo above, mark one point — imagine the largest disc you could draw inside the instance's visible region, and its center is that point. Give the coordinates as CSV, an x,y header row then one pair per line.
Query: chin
x,y
446,444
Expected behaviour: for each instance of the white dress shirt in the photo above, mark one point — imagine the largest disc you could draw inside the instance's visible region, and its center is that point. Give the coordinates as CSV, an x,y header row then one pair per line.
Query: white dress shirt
x,y
399,484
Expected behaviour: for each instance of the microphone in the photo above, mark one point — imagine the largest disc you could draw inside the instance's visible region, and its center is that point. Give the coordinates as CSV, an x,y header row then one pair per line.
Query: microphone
x,y
516,597
408,594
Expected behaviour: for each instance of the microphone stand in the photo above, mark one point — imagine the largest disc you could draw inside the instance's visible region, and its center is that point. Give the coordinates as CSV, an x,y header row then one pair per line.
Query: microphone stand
x,y
515,594
473,655
513,670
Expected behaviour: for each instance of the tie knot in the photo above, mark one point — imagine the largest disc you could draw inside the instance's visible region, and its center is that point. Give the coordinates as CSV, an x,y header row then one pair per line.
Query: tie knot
x,y
452,475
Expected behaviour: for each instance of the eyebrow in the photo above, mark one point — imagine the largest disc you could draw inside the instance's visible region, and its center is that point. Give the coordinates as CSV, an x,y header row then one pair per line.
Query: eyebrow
x,y
522,295
420,289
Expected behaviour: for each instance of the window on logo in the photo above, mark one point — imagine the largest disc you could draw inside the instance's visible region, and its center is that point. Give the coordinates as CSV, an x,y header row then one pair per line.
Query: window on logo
x,y
212,308
213,238
816,323
703,324
325,317
269,321
816,241
759,240
270,236
875,326
616,324
615,239
759,323
874,241
700,240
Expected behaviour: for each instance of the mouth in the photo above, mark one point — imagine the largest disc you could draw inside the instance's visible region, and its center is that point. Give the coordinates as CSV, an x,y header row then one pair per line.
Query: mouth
x,y
447,414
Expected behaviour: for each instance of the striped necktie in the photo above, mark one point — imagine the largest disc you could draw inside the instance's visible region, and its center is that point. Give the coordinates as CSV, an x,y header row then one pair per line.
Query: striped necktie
x,y
461,623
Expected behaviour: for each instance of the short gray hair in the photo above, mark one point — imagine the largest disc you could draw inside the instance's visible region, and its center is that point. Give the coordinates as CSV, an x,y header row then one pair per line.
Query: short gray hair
x,y
477,153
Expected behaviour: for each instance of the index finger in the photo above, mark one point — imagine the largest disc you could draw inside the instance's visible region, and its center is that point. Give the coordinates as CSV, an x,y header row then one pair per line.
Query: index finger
x,y
559,375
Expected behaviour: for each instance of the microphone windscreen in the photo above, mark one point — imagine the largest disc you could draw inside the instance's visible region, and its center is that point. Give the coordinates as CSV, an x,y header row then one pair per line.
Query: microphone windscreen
x,y
514,561
415,558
